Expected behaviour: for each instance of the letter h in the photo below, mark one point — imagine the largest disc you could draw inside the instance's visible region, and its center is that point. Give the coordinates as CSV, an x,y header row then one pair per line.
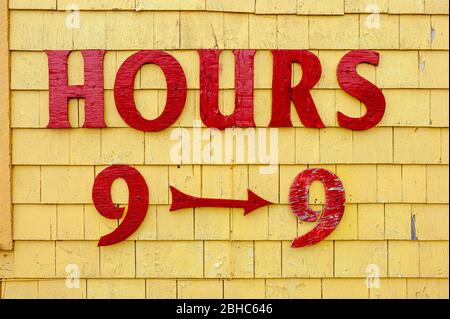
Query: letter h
x,y
60,91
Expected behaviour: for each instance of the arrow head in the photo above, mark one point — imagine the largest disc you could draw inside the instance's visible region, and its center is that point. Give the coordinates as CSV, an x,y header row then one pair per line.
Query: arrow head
x,y
180,200
254,202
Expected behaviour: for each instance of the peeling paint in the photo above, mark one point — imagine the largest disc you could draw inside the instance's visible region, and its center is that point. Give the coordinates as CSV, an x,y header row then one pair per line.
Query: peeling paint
x,y
432,34
413,228
422,66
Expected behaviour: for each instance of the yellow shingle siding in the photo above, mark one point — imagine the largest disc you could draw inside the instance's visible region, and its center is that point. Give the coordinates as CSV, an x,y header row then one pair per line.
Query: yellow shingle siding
x,y
395,175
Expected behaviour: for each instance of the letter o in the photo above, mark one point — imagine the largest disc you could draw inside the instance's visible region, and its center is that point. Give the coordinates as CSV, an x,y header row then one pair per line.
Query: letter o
x,y
124,90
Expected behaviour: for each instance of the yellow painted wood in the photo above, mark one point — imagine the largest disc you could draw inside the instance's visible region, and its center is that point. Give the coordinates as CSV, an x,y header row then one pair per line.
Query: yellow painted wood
x,y
5,139
395,175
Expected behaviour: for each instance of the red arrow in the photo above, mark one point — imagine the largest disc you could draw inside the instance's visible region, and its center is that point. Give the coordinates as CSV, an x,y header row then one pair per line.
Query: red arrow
x,y
181,200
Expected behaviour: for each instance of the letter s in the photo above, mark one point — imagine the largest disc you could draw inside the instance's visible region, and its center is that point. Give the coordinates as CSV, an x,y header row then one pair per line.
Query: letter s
x,y
361,89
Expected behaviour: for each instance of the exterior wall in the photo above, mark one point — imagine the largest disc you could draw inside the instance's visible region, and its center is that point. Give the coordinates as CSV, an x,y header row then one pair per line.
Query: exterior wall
x,y
5,135
395,175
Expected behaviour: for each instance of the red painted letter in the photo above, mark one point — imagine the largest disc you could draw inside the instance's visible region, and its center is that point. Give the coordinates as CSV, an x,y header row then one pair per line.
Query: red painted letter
x,y
124,90
283,93
137,201
361,89
209,90
332,211
60,91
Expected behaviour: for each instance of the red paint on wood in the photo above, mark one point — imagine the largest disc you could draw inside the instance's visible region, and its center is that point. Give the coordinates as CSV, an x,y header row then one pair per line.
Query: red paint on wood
x,y
358,87
176,90
181,200
137,201
60,91
209,90
283,93
333,209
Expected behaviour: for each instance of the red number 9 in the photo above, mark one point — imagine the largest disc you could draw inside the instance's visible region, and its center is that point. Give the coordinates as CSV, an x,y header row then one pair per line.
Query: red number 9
x,y
332,212
137,201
